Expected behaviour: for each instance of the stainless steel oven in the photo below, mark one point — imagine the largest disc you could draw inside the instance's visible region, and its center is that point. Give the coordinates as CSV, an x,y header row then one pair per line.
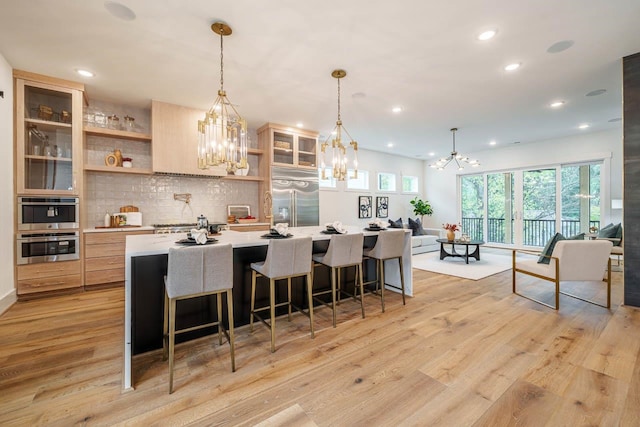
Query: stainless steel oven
x,y
48,213
47,247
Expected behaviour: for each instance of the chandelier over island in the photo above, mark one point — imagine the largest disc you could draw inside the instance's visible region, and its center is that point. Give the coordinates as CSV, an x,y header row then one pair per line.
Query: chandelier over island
x,y
456,157
222,134
339,158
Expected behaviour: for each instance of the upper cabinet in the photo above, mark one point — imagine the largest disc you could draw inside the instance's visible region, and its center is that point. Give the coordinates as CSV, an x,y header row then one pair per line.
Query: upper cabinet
x,y
290,147
175,144
48,123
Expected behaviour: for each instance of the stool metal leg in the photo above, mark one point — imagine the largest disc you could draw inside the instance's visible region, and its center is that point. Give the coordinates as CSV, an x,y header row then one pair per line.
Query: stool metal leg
x,y
232,339
165,328
333,294
381,279
219,316
359,274
272,300
253,298
402,279
172,340
289,296
310,295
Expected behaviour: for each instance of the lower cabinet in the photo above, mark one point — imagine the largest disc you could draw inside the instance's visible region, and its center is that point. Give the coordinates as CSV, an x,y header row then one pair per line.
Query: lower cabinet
x,y
249,227
48,276
104,257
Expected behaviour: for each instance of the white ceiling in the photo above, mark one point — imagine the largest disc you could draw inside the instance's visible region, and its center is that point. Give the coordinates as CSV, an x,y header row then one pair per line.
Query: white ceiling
x,y
422,55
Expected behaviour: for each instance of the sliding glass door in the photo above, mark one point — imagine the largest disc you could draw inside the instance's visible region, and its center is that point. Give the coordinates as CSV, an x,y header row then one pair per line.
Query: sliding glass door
x,y
527,207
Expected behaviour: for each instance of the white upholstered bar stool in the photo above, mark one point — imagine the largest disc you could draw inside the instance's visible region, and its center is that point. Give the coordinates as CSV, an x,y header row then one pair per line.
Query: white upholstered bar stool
x,y
286,258
345,250
389,246
194,272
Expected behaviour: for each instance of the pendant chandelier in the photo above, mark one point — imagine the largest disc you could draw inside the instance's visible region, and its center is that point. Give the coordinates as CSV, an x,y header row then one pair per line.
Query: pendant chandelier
x,y
339,158
222,134
456,157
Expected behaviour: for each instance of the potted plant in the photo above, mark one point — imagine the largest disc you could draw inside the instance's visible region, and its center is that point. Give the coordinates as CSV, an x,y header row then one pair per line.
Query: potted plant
x,y
421,207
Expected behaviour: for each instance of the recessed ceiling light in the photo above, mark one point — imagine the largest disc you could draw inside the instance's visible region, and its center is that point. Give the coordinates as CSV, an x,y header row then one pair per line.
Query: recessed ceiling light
x,y
84,73
596,92
512,67
299,124
359,95
487,35
397,109
556,104
431,154
119,10
492,143
560,46
390,144
334,132
583,126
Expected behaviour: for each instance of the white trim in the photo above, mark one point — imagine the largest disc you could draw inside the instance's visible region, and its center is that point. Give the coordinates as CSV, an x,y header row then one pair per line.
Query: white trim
x,y
7,301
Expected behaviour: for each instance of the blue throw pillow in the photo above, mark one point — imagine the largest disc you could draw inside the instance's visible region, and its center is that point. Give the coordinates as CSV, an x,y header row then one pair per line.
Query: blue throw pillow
x,y
618,236
548,248
416,227
611,231
396,224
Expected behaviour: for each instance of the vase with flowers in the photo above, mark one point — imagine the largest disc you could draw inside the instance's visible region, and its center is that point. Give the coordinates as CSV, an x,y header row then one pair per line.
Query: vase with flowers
x,y
451,229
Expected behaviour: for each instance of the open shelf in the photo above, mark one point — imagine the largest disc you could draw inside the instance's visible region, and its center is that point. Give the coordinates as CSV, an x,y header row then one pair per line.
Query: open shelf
x,y
244,178
114,133
117,169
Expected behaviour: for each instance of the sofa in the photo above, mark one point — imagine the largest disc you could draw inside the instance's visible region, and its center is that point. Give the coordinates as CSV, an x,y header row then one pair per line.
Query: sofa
x,y
426,242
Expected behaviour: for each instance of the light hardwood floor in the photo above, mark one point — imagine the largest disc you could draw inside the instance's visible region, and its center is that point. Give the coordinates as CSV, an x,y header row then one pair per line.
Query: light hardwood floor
x,y
460,353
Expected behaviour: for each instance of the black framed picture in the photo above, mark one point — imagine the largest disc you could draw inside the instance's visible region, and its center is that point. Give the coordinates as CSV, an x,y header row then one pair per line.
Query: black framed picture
x,y
382,207
364,207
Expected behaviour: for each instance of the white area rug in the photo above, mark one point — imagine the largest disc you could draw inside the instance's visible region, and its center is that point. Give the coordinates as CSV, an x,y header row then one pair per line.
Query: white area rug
x,y
488,265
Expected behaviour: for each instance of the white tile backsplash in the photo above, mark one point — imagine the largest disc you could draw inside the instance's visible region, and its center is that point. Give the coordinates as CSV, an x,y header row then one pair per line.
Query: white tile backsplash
x,y
153,195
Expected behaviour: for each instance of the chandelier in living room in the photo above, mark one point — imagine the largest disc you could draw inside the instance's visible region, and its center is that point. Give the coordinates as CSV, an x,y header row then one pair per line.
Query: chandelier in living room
x,y
339,158
456,157
222,134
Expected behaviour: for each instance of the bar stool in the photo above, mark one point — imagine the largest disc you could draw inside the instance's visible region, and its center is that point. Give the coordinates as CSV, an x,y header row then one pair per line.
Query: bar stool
x,y
389,245
345,250
286,258
195,272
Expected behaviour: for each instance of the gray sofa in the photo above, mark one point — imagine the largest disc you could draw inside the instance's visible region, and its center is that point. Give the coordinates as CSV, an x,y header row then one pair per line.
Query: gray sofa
x,y
427,242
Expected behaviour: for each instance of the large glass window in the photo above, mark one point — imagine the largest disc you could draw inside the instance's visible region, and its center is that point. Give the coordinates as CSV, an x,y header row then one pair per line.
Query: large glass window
x,y
500,207
472,190
539,206
580,198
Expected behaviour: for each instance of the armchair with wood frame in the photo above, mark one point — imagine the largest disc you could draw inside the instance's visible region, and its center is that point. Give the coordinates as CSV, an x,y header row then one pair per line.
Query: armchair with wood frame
x,y
571,260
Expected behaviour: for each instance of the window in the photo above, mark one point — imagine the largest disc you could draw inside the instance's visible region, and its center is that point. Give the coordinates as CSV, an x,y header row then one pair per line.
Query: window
x,y
359,183
409,184
329,181
386,181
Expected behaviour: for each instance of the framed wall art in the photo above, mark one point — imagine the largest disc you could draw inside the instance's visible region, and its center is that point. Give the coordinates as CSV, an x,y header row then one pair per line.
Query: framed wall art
x,y
382,207
364,207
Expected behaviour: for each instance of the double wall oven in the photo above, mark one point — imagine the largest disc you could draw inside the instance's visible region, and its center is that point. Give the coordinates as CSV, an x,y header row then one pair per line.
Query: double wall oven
x,y
47,229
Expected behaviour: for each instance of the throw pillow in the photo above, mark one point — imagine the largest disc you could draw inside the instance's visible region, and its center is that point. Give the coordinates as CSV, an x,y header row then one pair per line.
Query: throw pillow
x,y
618,236
548,248
416,227
611,231
579,236
396,224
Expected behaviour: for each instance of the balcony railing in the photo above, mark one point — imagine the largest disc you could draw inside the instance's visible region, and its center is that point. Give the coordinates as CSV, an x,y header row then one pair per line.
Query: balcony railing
x,y
536,231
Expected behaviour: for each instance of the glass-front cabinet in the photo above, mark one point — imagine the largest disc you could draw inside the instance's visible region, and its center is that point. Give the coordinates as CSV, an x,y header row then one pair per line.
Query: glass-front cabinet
x,y
48,135
290,147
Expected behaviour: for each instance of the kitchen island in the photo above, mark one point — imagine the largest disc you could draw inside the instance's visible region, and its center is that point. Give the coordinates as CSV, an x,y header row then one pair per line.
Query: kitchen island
x,y
145,265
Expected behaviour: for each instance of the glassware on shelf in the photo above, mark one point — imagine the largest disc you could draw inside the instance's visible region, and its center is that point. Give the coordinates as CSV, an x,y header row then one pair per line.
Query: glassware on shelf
x,y
129,123
113,122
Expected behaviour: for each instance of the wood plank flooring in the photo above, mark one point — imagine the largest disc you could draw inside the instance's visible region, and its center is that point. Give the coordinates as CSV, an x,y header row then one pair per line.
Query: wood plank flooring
x,y
460,353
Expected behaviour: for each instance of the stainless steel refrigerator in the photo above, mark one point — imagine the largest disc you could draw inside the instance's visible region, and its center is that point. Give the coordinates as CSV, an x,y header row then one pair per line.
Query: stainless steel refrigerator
x,y
295,196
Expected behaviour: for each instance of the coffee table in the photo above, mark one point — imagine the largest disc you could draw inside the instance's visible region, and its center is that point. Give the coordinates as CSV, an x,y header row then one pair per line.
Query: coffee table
x,y
475,254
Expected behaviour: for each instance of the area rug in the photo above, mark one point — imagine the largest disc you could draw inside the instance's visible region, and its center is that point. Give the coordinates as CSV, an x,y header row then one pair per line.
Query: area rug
x,y
488,265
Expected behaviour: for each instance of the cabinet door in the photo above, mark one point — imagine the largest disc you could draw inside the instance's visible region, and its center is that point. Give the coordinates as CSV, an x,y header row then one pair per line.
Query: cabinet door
x,y
48,135
283,148
307,151
175,139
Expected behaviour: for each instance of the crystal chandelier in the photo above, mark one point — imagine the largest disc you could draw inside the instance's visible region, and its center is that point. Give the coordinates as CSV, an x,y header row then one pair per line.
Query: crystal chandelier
x,y
339,159
456,157
222,134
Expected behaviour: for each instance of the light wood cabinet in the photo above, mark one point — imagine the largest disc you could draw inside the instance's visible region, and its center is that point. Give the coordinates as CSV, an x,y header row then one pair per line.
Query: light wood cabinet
x,y
48,135
175,143
122,137
290,147
104,257
249,227
48,276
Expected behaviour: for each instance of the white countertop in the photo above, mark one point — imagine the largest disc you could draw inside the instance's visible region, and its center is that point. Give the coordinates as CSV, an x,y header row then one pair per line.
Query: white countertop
x,y
153,244
115,229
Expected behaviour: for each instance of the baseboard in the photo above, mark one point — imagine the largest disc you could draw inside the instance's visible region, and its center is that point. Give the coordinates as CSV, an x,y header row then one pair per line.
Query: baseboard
x,y
8,301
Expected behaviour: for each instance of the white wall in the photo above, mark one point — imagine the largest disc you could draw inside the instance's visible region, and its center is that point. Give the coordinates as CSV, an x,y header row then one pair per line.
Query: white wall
x,y
7,289
342,204
442,185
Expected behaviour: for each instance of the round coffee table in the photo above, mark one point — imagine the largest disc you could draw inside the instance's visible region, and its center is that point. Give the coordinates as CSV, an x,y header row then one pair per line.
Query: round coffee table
x,y
475,254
